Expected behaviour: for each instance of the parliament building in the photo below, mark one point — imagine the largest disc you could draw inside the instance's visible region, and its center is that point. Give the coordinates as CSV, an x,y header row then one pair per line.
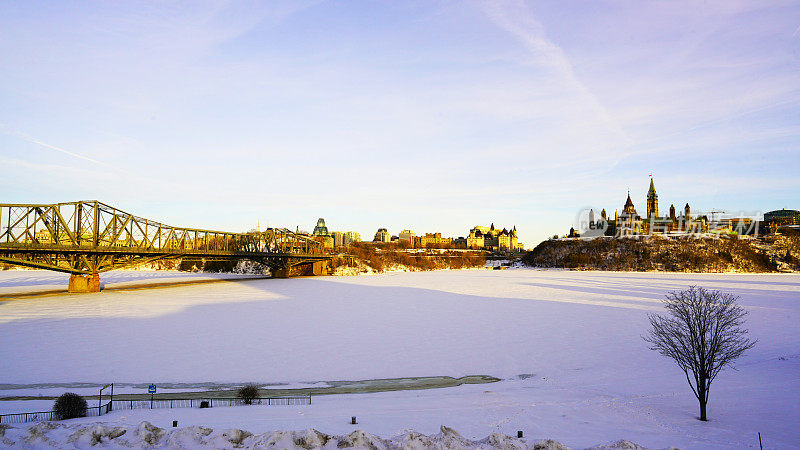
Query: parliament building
x,y
630,223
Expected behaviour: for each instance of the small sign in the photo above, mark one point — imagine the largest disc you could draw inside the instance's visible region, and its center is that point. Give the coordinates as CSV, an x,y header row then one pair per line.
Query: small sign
x,y
151,389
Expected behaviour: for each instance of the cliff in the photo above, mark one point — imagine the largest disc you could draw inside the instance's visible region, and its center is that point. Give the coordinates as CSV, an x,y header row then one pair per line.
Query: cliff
x,y
685,254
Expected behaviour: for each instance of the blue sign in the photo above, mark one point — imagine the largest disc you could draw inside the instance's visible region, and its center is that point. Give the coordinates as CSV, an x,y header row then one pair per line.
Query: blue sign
x,y
151,389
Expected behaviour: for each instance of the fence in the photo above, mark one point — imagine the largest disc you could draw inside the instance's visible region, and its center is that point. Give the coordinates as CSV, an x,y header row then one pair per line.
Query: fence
x,y
212,402
46,416
94,411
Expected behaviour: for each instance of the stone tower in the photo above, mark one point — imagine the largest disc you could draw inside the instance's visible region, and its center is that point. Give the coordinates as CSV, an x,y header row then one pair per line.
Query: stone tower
x,y
628,208
652,201
687,213
672,213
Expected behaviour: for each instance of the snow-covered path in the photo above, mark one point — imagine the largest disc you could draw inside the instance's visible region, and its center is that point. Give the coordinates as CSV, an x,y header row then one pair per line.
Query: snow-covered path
x,y
567,345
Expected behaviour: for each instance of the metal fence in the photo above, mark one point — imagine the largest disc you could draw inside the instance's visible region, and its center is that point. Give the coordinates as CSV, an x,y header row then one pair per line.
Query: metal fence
x,y
46,416
94,411
210,402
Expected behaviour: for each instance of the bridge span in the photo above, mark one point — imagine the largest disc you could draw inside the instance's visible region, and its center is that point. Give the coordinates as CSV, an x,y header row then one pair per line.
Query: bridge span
x,y
87,238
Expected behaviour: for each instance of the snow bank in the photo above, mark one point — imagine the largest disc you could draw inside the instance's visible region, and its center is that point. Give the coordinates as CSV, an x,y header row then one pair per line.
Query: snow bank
x,y
146,435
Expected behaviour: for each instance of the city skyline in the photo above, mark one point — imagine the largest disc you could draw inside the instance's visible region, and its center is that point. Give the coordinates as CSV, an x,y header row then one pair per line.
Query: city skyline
x,y
434,117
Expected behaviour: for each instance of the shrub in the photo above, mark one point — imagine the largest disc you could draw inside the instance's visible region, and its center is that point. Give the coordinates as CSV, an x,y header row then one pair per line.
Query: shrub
x,y
69,406
248,393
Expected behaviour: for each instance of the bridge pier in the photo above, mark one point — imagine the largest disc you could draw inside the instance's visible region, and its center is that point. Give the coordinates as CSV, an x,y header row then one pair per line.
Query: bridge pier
x,y
315,268
84,283
319,268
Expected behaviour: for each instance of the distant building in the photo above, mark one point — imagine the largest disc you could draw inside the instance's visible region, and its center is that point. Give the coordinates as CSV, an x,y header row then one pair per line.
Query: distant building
x,y
320,229
351,236
475,239
338,238
774,220
432,240
382,236
630,223
493,239
344,238
321,233
407,235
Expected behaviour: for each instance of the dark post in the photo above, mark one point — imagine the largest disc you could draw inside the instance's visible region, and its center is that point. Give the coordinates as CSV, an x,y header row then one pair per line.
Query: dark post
x,y
353,420
759,441
519,434
111,405
151,401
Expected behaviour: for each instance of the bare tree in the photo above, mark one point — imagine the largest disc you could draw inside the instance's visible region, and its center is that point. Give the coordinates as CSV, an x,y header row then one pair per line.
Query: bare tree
x,y
248,393
703,333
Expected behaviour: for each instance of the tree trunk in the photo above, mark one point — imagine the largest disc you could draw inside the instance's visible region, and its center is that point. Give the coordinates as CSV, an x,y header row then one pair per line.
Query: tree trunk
x,y
702,397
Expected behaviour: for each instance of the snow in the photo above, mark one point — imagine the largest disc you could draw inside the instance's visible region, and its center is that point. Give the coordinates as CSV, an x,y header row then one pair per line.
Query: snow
x,y
566,344
146,435
35,281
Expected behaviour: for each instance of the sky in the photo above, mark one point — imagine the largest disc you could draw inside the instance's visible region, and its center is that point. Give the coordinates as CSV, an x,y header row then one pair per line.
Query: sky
x,y
426,115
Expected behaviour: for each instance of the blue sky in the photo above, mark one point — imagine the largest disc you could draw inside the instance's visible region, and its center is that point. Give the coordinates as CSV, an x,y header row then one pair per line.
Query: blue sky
x,y
433,116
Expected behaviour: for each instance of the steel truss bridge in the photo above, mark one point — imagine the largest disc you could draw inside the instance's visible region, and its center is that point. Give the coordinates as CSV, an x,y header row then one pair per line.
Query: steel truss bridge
x,y
87,238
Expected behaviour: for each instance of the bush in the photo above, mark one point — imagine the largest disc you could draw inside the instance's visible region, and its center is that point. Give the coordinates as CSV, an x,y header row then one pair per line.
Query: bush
x,y
248,393
69,406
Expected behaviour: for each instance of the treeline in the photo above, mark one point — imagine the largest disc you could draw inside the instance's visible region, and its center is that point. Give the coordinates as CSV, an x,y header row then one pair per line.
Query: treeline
x,y
724,254
380,257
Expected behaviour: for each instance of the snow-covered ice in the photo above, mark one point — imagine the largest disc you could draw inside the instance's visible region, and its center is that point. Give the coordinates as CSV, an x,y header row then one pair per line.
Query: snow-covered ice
x,y
566,344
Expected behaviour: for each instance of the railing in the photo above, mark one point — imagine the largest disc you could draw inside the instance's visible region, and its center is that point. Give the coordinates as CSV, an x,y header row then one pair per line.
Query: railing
x,y
211,402
47,416
94,411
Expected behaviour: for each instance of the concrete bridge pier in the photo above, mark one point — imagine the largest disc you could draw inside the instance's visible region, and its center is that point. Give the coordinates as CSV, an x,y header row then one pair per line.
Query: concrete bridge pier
x,y
319,268
281,272
315,268
84,283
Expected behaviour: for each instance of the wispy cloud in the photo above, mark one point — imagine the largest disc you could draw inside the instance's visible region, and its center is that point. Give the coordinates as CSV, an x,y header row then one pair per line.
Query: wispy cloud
x,y
516,18
5,130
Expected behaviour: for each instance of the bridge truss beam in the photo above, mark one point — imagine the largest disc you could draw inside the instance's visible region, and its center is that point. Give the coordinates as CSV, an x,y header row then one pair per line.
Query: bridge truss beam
x,y
90,237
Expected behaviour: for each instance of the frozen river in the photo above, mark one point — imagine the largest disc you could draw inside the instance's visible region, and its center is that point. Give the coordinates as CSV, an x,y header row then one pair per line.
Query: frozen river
x,y
566,344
